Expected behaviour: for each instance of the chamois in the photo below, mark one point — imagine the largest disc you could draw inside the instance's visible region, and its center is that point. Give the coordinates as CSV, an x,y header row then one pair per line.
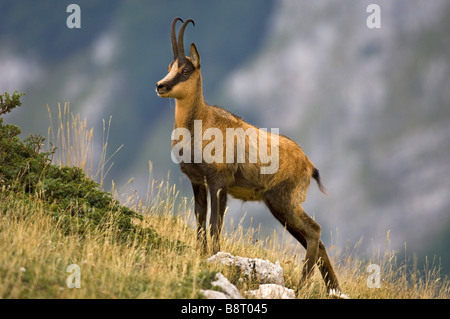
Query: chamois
x,y
283,191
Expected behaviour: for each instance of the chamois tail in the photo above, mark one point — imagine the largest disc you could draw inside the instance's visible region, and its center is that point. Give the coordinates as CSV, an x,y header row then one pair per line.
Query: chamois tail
x,y
316,176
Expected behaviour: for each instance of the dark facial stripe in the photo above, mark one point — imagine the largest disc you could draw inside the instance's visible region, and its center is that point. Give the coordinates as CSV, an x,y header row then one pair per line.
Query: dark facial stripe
x,y
180,77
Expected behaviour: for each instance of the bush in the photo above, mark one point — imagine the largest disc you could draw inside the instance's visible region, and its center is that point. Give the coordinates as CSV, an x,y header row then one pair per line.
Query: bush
x,y
77,202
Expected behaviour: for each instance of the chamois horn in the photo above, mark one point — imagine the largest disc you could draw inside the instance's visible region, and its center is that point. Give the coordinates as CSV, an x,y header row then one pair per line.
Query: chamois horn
x,y
173,37
181,55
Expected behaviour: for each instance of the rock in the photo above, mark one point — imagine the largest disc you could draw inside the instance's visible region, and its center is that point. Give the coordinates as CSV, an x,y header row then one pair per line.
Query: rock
x,y
229,291
214,294
271,291
336,294
263,270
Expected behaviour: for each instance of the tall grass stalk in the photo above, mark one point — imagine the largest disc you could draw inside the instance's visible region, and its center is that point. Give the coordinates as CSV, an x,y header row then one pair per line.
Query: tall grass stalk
x,y
75,145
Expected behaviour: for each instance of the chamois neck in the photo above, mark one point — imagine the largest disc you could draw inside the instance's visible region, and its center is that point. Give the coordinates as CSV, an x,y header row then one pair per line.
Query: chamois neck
x,y
189,108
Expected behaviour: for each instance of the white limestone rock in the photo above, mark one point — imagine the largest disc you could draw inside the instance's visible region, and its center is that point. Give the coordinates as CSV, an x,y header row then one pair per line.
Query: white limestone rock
x,y
229,291
271,291
263,270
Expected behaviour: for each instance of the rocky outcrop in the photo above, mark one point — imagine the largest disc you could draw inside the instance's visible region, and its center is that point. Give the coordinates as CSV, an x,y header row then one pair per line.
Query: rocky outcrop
x,y
270,276
261,270
271,291
228,290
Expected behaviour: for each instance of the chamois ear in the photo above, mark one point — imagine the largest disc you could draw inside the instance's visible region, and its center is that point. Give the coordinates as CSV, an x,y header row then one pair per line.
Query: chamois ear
x,y
195,57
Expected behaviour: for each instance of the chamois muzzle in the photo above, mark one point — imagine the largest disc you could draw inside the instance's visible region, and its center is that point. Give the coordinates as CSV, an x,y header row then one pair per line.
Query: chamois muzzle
x,y
161,88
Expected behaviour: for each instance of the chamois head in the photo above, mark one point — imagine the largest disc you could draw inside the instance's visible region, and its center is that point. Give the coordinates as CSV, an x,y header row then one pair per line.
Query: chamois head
x,y
184,72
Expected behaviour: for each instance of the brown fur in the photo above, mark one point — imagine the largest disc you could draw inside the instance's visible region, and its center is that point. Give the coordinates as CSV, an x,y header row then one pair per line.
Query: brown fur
x,y
283,192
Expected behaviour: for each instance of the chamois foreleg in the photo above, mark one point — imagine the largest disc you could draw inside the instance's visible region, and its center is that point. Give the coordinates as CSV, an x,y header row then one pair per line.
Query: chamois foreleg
x,y
218,195
201,210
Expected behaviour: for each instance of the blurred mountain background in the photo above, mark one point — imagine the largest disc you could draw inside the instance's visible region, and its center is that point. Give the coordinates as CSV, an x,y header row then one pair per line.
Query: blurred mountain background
x,y
370,107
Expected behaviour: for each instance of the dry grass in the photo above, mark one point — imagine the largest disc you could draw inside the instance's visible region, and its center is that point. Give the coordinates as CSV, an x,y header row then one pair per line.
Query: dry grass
x,y
35,252
35,255
75,144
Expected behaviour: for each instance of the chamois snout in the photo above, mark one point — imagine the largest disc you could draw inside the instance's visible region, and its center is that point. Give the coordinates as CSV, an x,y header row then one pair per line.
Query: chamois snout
x,y
162,88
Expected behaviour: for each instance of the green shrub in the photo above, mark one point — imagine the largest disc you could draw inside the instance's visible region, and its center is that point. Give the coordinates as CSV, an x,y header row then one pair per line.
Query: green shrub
x,y
77,202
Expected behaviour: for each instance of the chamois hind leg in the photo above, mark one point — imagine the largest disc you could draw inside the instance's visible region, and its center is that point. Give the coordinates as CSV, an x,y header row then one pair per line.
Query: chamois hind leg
x,y
218,204
201,210
326,269
307,231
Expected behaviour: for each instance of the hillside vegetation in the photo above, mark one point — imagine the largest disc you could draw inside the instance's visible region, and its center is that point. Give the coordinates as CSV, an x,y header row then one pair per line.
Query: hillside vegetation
x,y
53,216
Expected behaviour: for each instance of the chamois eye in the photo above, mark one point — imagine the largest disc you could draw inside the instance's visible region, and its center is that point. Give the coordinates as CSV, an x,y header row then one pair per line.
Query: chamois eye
x,y
185,71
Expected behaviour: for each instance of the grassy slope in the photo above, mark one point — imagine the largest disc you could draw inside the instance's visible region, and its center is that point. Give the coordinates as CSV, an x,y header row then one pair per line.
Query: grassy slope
x,y
36,248
36,252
